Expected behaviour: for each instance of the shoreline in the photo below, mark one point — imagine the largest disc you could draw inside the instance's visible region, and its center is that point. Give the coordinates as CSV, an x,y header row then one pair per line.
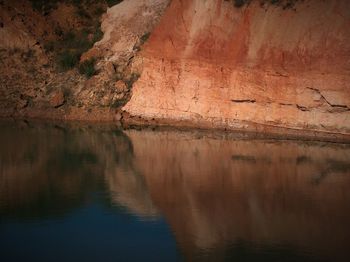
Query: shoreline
x,y
252,130
241,131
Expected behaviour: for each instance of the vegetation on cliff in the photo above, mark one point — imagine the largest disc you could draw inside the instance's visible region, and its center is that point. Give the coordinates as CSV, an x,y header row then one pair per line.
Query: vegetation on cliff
x,y
51,65
48,5
87,67
285,4
68,44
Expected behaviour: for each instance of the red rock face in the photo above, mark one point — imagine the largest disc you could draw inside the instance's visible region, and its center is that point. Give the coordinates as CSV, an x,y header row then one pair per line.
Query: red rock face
x,y
211,64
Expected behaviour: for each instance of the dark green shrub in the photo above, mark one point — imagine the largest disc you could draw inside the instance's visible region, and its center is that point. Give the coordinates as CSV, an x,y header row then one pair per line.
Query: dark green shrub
x,y
144,38
44,5
68,59
83,14
87,67
98,34
27,55
118,103
58,31
99,11
239,3
113,2
274,2
49,46
76,2
72,45
76,40
68,47
285,4
132,79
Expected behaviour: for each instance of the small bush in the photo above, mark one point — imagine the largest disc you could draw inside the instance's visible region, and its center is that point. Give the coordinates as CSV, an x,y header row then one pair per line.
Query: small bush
x,y
70,48
77,41
113,2
49,46
99,11
144,38
285,4
132,79
240,3
43,6
68,59
76,2
28,55
83,14
98,34
118,103
87,67
58,31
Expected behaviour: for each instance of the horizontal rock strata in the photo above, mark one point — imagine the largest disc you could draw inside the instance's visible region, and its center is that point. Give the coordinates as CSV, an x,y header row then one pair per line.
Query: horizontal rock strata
x,y
212,64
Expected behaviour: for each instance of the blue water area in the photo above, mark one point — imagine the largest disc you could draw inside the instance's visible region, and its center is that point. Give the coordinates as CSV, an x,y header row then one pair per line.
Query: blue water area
x,y
90,233
77,192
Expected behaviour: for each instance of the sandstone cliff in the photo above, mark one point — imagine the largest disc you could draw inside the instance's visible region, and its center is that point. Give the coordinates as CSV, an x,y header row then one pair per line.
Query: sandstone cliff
x,y
258,66
211,64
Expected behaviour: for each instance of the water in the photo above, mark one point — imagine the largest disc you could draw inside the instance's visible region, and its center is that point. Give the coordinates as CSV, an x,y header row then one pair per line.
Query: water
x,y
83,193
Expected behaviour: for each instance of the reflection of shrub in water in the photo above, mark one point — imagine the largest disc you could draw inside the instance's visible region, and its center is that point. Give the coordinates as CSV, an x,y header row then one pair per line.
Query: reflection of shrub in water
x,y
53,170
332,166
243,158
303,159
338,166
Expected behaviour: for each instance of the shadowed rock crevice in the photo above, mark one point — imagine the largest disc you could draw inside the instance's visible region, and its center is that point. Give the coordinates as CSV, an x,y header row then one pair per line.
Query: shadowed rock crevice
x,y
243,100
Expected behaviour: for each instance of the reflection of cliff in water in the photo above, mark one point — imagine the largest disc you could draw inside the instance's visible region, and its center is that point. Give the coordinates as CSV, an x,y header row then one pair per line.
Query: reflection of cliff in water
x,y
223,198
226,198
50,170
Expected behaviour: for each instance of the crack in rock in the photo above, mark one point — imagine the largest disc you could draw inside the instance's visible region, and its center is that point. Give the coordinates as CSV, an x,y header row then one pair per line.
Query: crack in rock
x,y
302,108
243,100
343,108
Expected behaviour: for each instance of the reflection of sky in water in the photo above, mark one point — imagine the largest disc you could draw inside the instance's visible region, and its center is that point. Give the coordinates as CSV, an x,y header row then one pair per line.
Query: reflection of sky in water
x,y
103,194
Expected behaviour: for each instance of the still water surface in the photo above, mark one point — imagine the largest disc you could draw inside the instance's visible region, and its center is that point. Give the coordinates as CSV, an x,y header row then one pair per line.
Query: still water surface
x,y
100,194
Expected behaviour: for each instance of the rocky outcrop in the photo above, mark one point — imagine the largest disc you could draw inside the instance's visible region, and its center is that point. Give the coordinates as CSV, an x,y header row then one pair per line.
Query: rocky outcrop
x,y
31,76
257,67
126,27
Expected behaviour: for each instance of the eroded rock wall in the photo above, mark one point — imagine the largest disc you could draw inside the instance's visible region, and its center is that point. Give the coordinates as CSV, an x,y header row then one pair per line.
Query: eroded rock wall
x,y
211,64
